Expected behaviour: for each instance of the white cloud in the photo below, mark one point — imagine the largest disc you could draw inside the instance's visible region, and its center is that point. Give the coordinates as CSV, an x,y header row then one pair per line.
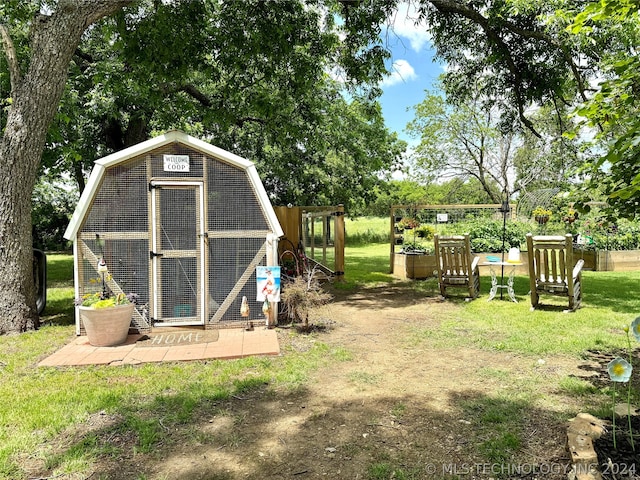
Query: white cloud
x,y
403,25
401,72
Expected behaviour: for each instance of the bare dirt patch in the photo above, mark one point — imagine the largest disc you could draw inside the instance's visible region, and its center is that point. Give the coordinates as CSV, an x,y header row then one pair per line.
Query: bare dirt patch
x,y
396,403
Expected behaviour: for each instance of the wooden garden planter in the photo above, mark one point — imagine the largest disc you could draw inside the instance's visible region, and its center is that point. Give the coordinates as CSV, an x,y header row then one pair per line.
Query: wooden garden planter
x,y
418,266
414,265
617,260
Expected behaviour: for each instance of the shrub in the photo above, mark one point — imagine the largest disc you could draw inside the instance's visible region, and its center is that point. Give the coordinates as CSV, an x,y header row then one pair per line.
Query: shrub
x,y
624,235
52,207
417,247
300,296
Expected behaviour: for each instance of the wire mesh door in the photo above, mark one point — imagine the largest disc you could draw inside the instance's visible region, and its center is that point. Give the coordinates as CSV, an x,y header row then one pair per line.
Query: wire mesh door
x,y
177,255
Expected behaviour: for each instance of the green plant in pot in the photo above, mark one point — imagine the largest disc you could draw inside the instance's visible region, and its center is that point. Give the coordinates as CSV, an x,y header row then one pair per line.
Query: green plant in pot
x,y
106,318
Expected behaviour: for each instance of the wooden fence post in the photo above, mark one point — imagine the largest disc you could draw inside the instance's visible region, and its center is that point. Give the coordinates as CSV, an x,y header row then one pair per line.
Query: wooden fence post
x,y
339,240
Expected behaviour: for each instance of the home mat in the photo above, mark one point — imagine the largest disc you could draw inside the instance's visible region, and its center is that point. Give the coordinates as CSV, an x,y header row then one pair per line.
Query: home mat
x,y
172,338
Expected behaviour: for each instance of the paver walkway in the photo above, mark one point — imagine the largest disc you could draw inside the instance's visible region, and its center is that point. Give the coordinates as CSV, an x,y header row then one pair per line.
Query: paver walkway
x,y
232,343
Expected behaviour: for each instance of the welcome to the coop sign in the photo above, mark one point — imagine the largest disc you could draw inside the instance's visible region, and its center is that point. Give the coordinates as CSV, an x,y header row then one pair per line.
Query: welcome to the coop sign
x,y
176,163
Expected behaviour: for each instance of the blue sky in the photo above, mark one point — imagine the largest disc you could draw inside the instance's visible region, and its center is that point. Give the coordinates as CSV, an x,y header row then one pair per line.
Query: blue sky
x,y
413,70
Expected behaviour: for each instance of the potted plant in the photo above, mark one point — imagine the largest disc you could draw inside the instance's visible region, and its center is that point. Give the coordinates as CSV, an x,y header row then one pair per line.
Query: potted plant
x,y
407,224
106,317
570,216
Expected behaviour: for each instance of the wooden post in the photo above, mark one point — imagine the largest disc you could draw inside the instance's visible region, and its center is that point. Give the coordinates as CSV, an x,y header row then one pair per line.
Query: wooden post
x,y
324,239
312,221
339,240
289,218
392,239
272,260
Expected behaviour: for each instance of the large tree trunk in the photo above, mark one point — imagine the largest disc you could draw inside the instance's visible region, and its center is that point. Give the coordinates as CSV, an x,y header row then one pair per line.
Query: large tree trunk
x,y
35,97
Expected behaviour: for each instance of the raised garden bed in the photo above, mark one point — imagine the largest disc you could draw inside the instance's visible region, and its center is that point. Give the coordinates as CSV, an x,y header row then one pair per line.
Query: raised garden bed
x,y
617,260
419,266
414,265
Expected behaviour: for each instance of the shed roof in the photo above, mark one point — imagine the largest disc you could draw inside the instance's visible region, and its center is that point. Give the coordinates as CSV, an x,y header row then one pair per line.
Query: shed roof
x,y
173,136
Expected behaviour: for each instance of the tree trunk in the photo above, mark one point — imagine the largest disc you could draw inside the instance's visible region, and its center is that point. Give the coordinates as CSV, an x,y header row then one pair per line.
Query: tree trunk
x,y
35,97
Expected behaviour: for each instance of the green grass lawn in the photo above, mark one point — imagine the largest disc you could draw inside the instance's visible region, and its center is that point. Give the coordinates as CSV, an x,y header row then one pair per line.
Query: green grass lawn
x,y
45,401
610,302
366,230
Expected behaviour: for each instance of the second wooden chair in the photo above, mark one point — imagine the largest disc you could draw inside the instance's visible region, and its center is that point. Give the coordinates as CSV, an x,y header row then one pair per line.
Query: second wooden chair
x,y
457,266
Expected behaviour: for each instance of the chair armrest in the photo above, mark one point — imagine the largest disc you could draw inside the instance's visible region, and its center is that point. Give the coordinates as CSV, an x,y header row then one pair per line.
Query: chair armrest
x,y
474,263
578,268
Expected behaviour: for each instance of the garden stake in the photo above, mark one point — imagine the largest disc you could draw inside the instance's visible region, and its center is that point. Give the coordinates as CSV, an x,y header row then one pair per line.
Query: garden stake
x,y
633,447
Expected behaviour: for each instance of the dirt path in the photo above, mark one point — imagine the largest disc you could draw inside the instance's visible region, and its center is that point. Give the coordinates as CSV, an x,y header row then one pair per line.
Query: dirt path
x,y
397,403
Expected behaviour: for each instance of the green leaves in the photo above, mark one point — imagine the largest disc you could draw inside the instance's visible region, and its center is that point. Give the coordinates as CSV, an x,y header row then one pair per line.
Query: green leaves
x,y
251,75
612,111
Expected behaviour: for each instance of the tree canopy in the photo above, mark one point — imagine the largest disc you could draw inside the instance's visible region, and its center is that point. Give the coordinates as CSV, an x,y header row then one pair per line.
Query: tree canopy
x,y
464,141
468,140
252,78
613,111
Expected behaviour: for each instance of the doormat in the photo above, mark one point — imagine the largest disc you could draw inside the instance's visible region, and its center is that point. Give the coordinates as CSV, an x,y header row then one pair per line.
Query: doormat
x,y
172,338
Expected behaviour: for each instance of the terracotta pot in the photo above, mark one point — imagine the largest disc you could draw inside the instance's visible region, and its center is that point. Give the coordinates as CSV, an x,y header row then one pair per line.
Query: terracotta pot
x,y
107,327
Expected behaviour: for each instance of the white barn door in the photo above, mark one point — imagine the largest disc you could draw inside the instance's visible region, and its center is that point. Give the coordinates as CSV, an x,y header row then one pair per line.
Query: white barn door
x,y
177,254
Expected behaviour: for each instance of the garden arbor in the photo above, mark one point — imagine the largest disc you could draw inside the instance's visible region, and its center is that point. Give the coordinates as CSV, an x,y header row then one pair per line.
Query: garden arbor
x,y
437,217
319,231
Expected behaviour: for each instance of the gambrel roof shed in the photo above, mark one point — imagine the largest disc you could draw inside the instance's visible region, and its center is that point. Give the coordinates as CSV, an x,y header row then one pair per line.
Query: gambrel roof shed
x,y
181,223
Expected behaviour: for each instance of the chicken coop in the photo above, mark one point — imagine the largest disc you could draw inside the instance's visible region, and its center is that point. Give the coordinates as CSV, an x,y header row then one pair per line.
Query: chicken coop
x,y
180,223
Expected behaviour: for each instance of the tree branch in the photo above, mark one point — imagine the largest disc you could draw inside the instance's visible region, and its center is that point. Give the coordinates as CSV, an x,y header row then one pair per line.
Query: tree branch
x,y
194,92
191,90
453,7
12,58
563,50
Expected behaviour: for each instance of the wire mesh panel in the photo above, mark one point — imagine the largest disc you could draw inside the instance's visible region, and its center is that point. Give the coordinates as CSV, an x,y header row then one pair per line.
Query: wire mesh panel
x,y
179,290
121,203
177,219
237,230
196,162
116,229
233,204
232,264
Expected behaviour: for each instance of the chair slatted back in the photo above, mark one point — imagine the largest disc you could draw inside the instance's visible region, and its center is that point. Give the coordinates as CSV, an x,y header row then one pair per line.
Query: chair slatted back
x,y
455,255
551,261
550,255
457,266
551,268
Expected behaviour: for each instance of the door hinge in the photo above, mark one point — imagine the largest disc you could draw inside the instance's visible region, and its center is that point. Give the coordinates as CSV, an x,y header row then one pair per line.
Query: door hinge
x,y
154,254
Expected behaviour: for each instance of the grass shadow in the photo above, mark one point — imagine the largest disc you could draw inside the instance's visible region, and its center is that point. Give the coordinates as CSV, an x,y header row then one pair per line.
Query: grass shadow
x,y
197,435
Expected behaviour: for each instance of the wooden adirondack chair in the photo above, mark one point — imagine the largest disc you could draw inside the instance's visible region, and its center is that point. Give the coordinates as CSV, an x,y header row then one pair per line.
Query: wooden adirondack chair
x,y
552,269
457,266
